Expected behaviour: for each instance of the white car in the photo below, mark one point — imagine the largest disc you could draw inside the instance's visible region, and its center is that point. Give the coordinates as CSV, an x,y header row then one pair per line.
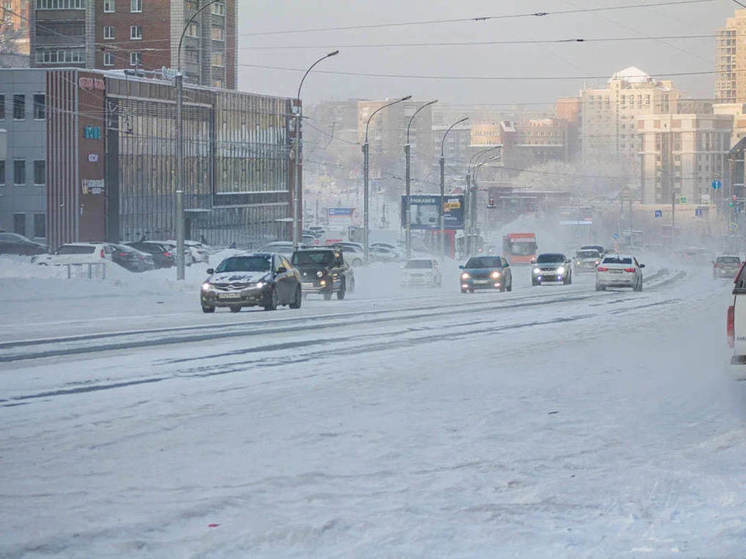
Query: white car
x,y
279,247
423,272
77,253
619,270
196,250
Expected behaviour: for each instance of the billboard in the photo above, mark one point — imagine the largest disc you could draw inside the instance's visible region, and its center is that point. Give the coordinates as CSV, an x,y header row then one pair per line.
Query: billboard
x,y
425,211
343,217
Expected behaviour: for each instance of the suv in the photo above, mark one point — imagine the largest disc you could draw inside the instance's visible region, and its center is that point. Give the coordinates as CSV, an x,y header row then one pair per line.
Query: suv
x,y
324,271
77,253
726,266
551,267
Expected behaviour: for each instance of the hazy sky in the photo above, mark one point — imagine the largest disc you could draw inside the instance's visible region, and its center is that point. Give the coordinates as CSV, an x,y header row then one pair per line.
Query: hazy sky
x,y
598,59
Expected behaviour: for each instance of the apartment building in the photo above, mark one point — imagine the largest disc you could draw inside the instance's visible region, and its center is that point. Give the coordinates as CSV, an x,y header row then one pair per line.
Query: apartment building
x,y
139,35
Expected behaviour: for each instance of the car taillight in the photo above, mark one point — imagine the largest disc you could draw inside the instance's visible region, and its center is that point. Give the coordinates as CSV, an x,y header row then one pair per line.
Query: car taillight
x,y
629,269
102,253
731,328
602,269
167,254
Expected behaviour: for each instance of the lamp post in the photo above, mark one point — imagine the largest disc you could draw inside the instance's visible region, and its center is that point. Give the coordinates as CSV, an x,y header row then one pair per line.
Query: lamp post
x,y
471,197
298,154
366,168
443,185
408,190
180,146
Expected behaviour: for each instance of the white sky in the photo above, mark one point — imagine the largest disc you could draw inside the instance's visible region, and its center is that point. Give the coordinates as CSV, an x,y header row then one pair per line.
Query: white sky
x,y
602,59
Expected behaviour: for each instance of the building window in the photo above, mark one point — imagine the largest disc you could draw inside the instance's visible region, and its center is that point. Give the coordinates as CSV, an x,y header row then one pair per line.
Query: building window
x,y
217,59
217,83
217,34
193,29
19,107
135,32
60,4
40,172
40,225
2,107
19,172
135,59
218,9
59,56
108,58
109,6
19,224
2,172
192,55
108,31
40,106
135,6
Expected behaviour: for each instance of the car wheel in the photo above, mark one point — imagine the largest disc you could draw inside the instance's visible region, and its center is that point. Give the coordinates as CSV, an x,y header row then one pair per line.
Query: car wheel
x,y
206,309
297,300
464,290
235,308
600,287
510,285
272,301
328,295
638,286
352,285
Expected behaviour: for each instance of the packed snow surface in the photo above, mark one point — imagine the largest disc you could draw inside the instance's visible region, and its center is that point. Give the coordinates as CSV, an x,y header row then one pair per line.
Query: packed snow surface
x,y
552,421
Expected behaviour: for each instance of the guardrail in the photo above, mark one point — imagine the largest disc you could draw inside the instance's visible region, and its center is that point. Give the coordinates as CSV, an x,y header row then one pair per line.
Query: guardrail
x,y
91,266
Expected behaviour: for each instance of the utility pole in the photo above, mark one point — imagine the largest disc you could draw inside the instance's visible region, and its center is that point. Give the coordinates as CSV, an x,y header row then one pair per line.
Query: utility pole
x,y
366,170
443,186
408,189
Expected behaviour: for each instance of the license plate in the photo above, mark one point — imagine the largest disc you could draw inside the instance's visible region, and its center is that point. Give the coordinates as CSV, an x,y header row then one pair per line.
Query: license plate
x,y
307,285
615,271
481,282
229,296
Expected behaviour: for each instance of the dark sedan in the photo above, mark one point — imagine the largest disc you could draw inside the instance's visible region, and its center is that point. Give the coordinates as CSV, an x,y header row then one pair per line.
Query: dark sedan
x,y
259,279
162,255
132,259
486,272
13,243
551,267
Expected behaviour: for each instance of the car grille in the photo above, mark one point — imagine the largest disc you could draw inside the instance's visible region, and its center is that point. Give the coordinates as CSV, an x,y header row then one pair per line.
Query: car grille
x,y
234,286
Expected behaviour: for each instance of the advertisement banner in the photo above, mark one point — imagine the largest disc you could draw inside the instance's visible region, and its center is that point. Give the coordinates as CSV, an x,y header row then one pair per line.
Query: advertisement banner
x,y
426,208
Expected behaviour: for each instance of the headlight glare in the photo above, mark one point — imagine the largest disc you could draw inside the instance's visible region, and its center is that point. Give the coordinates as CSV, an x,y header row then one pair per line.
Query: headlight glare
x,y
537,271
561,270
465,276
495,275
206,286
319,274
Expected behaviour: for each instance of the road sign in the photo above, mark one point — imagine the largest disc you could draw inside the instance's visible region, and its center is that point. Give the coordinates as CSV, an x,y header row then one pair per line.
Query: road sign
x,y
658,213
682,200
699,212
615,235
717,183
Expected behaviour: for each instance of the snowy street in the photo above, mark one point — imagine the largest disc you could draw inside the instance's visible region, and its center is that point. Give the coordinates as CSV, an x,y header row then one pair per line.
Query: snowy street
x,y
552,421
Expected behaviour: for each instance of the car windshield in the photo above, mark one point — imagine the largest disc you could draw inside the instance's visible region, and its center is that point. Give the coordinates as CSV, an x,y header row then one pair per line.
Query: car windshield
x,y
419,264
244,264
313,258
522,248
617,260
76,249
550,258
483,262
728,260
587,254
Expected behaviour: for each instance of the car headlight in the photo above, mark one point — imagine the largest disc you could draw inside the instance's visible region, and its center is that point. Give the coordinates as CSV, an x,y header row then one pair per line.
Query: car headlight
x,y
495,275
561,270
259,284
465,276
537,271
206,286
319,274
322,283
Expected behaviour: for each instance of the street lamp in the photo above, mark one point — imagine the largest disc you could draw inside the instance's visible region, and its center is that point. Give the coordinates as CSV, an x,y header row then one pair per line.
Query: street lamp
x,y
180,148
366,168
408,190
471,197
298,152
443,184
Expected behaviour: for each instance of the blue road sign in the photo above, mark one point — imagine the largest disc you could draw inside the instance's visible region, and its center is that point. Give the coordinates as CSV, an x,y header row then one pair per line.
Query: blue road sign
x,y
658,213
716,183
698,212
615,235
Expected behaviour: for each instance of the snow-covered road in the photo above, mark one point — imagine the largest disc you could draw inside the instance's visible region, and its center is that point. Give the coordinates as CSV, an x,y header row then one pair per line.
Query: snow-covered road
x,y
552,421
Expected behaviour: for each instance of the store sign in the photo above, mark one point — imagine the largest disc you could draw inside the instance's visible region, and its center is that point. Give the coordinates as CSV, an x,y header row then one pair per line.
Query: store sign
x,y
93,186
93,157
92,83
92,132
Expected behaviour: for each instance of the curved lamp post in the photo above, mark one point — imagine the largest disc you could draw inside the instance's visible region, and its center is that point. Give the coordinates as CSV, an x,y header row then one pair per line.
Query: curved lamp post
x,y
471,196
408,190
443,185
366,168
298,154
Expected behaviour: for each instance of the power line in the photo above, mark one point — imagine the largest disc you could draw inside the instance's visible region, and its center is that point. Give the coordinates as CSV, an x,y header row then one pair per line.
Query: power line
x,y
572,40
478,78
472,19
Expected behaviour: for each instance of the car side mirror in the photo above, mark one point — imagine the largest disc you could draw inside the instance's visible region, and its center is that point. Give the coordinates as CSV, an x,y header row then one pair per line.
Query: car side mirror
x,y
282,270
460,267
533,261
210,271
642,265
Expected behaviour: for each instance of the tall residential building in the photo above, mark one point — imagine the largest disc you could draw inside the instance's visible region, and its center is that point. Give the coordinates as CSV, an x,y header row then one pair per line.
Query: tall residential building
x,y
137,34
14,29
730,61
609,114
681,155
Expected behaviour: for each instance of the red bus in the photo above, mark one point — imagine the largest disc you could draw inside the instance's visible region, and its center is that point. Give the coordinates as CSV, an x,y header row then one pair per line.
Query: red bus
x,y
519,248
